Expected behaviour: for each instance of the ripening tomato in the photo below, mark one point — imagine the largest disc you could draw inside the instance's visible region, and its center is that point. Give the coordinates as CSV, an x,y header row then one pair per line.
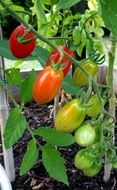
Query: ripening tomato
x,y
93,106
70,116
18,49
93,170
79,78
84,159
47,85
85,134
55,55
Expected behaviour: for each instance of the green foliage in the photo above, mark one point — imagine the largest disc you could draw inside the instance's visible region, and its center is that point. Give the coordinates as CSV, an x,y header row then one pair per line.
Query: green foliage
x,y
66,3
69,86
41,54
15,126
109,14
14,76
54,163
26,87
30,158
55,137
5,51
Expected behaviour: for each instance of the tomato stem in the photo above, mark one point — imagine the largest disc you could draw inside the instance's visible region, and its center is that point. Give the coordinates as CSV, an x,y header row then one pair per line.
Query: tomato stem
x,y
31,132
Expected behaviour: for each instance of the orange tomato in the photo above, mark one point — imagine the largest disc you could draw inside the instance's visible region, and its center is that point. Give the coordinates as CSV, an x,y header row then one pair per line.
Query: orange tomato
x,y
47,85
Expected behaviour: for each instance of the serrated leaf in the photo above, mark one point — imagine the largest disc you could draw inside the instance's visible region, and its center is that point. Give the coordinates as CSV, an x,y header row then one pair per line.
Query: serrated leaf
x,y
54,137
109,14
54,164
70,87
30,158
15,126
14,76
26,87
66,3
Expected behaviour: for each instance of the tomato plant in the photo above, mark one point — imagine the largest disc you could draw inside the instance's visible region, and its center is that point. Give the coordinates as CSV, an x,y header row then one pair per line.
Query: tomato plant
x,y
55,56
24,48
70,116
85,134
83,33
47,84
84,159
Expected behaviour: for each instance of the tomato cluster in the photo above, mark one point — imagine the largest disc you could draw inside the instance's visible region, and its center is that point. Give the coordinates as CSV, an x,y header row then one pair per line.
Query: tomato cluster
x,y
90,134
49,81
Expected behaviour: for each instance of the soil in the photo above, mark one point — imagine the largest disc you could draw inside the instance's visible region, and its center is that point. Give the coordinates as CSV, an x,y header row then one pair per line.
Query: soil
x,y
37,178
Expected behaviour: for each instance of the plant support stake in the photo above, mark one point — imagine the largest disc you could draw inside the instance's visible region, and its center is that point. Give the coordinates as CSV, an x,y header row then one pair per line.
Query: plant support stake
x,y
4,111
112,101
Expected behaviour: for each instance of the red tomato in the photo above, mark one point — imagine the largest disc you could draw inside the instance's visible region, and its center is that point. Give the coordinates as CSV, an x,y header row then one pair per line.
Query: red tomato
x,y
47,85
55,55
21,50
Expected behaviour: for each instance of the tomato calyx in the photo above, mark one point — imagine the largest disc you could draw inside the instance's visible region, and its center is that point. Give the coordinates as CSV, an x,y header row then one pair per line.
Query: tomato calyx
x,y
22,38
58,65
97,58
57,56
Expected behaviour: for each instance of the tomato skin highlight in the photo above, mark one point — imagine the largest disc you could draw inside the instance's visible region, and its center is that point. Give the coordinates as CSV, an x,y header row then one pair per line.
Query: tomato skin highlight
x,y
93,170
55,55
84,159
21,50
79,78
85,134
47,85
70,116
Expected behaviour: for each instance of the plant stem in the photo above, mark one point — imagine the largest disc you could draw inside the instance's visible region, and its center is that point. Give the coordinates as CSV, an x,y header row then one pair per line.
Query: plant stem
x,y
112,100
31,132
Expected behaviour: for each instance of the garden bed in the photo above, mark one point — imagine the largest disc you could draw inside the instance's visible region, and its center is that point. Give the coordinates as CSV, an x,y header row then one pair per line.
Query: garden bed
x,y
38,178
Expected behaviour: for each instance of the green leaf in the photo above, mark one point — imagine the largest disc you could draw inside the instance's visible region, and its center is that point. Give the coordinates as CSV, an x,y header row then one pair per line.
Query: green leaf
x,y
55,137
15,126
41,55
70,87
77,35
5,51
66,3
30,158
54,164
109,14
14,76
26,87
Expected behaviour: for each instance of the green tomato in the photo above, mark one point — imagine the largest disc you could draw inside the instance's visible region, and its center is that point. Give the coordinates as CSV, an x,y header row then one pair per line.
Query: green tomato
x,y
97,134
93,170
70,116
84,159
85,135
93,106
